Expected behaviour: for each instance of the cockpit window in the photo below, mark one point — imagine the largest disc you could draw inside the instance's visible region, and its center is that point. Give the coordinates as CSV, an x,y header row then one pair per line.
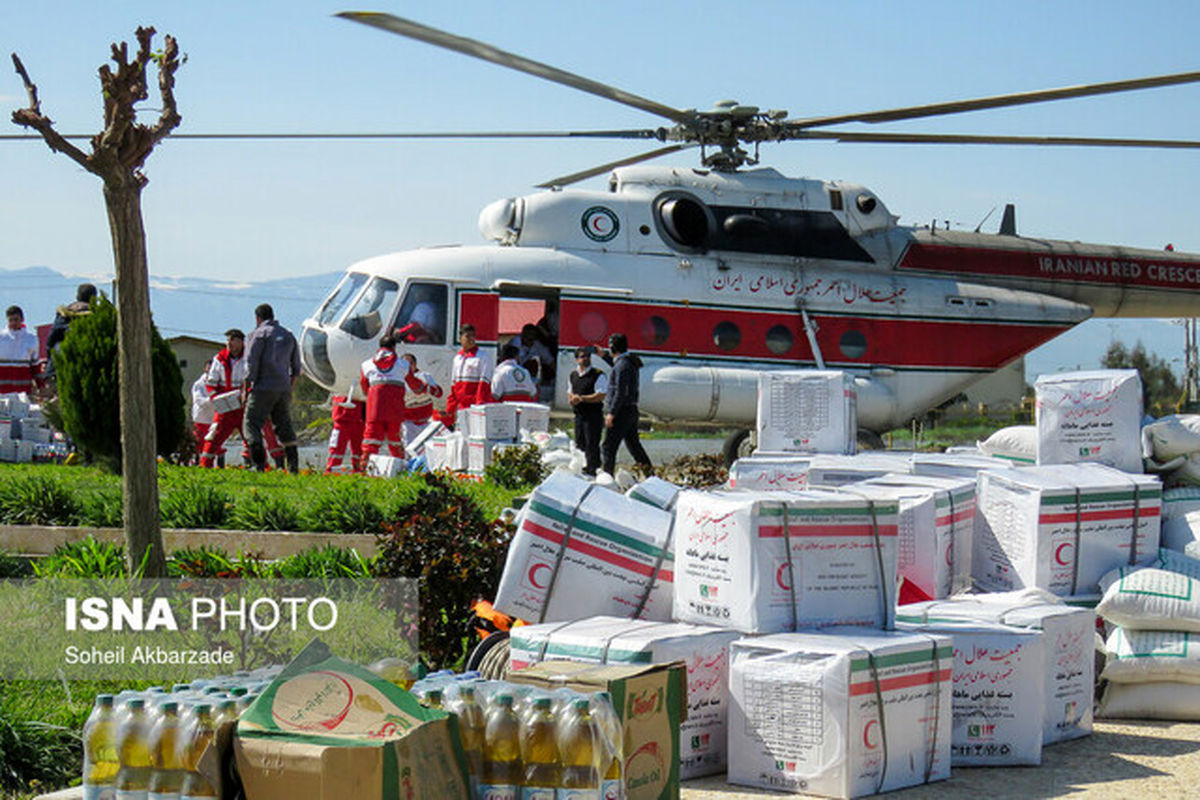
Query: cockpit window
x,y
365,320
422,316
346,289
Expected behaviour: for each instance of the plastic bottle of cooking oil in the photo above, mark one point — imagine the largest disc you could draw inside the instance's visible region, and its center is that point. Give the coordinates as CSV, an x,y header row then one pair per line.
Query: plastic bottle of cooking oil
x,y
539,752
583,752
166,754
502,751
199,736
100,762
472,726
133,752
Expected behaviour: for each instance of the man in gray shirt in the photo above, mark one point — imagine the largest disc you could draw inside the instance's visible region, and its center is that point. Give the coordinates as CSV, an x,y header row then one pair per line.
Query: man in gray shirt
x,y
272,369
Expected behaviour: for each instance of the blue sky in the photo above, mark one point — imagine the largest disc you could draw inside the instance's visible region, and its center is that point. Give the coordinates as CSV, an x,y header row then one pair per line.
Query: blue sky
x,y
257,210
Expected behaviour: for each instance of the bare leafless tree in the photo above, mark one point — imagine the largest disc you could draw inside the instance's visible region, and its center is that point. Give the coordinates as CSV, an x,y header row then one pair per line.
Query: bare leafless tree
x,y
118,153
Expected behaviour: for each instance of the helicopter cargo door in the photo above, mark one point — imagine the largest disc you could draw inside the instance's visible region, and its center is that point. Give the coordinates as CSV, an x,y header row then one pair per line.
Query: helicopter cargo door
x,y
527,318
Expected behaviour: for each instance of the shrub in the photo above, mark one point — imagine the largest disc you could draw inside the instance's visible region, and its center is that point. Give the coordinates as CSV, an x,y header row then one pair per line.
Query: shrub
x,y
103,509
195,505
211,562
35,753
257,511
38,500
86,363
87,558
13,566
517,467
325,562
345,508
442,540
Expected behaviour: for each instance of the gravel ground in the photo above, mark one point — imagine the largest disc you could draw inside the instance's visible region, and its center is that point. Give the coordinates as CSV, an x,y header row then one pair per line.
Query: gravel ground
x,y
1135,761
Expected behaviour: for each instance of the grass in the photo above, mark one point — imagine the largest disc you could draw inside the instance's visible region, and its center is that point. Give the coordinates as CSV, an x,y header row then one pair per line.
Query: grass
x,y
948,433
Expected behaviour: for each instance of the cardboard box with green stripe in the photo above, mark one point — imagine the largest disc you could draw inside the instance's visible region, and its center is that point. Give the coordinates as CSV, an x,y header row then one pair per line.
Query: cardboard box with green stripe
x,y
581,550
843,713
764,562
611,640
999,696
934,552
1061,528
326,729
1068,665
1092,416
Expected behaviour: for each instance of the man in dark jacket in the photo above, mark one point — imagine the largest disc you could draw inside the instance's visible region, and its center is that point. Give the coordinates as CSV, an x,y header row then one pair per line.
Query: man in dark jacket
x,y
84,294
588,387
272,369
620,407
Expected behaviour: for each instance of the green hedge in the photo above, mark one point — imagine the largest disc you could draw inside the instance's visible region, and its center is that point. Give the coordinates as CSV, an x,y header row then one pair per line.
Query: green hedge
x,y
231,499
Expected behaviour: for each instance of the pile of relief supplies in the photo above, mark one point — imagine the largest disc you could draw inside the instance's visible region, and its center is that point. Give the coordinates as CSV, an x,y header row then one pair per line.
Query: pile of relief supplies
x,y
857,623
840,624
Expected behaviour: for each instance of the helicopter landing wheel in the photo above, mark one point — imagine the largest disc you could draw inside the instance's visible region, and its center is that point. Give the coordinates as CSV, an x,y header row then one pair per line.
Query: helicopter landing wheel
x,y
869,440
738,444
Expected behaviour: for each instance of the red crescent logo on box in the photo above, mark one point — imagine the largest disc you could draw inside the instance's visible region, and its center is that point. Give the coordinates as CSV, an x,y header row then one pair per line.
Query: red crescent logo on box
x,y
782,577
1058,553
869,741
533,575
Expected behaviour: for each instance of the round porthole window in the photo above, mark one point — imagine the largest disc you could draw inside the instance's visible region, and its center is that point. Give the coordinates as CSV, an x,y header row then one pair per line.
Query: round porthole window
x,y
853,344
727,336
779,339
593,327
656,330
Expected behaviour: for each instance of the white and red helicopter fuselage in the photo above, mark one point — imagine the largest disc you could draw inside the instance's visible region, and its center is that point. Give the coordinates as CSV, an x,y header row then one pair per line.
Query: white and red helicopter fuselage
x,y
716,276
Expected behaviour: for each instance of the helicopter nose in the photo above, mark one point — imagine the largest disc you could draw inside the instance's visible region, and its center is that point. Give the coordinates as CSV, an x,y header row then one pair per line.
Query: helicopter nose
x,y
314,355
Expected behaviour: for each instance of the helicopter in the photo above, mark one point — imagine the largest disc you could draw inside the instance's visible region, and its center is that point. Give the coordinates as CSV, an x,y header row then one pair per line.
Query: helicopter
x,y
719,272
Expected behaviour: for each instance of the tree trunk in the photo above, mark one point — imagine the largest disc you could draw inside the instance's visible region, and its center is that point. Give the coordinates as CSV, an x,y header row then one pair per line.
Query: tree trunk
x,y
139,472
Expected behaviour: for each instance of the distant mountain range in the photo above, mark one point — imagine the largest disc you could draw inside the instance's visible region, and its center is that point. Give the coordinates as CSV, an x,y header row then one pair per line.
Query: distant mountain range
x,y
181,306
206,308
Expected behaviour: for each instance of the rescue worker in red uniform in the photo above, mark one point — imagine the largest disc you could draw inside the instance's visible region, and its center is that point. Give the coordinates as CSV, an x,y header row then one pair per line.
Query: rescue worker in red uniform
x,y
18,354
227,373
349,424
511,381
383,379
418,405
470,376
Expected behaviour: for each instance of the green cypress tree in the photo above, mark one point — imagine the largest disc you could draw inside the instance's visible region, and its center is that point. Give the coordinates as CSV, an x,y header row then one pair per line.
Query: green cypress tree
x,y
86,363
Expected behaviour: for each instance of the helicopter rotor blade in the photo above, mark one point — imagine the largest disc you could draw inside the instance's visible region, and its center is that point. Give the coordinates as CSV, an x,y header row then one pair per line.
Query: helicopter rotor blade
x,y
953,138
998,101
634,133
575,177
495,55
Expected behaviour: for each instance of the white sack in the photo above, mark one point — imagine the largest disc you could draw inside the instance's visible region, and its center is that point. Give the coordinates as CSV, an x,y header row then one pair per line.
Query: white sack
x,y
1151,599
1016,443
1150,656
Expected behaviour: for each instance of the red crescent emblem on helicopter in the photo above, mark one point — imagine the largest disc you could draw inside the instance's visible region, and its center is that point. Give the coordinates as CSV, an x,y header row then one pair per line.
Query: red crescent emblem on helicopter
x,y
533,575
1058,557
600,224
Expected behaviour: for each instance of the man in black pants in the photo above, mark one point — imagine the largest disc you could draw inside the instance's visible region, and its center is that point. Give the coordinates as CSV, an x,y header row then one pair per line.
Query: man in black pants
x,y
588,387
620,407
